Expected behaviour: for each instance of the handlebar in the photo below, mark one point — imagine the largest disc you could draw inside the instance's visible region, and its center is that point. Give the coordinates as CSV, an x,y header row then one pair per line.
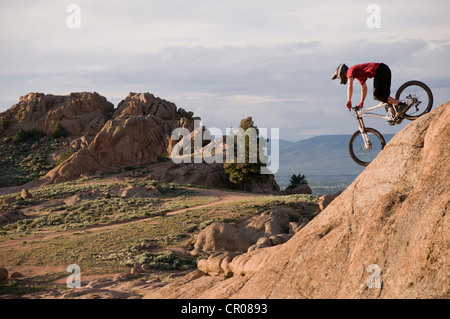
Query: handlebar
x,y
356,108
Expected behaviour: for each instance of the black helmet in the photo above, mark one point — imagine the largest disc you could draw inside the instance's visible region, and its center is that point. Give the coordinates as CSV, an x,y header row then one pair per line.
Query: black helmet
x,y
341,73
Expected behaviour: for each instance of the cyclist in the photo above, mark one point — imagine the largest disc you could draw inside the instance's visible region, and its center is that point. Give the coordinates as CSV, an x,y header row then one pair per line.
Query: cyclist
x,y
381,75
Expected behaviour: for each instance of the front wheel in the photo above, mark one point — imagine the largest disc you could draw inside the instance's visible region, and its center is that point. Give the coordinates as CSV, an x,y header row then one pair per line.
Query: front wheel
x,y
363,152
419,95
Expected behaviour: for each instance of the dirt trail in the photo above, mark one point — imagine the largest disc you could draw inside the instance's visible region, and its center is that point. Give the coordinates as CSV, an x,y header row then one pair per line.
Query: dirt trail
x,y
224,197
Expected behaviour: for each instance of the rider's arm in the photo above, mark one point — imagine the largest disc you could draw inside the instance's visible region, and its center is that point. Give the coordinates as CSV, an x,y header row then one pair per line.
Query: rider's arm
x,y
349,92
363,93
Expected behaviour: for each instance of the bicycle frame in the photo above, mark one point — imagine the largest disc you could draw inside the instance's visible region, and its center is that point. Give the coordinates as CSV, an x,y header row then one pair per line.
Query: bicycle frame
x,y
367,113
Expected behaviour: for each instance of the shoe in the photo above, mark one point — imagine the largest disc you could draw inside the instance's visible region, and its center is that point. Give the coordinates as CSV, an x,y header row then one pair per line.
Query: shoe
x,y
401,107
391,122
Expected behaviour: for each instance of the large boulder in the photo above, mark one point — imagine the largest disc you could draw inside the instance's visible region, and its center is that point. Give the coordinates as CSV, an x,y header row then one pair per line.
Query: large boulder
x,y
270,228
391,223
220,236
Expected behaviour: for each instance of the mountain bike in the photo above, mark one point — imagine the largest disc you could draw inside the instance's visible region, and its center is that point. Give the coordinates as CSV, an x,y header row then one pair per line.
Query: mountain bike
x,y
366,143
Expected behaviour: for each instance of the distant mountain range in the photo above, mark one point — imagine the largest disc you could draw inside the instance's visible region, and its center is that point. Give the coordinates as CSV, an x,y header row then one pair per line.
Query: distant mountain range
x,y
324,160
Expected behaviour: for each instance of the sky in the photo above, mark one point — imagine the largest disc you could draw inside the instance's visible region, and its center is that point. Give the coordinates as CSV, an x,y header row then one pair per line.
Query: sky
x,y
225,60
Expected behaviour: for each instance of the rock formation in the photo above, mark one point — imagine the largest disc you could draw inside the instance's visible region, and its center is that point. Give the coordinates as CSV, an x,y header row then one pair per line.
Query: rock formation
x,y
79,113
392,222
105,140
271,228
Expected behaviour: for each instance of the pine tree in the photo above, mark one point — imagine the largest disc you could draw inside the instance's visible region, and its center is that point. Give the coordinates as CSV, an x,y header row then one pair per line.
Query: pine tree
x,y
241,174
297,180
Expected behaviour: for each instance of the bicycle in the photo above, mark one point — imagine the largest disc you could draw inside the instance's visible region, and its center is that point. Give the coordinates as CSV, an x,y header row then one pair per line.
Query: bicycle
x,y
366,143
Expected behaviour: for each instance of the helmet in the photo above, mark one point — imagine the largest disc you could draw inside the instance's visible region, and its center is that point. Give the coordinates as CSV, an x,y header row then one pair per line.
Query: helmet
x,y
341,73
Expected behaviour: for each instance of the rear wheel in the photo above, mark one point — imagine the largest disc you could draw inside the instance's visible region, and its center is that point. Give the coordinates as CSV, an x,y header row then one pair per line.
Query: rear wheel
x,y
358,149
417,93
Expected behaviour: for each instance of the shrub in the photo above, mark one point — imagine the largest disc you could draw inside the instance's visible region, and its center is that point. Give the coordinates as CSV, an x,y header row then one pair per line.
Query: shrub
x,y
35,135
167,260
63,156
59,131
20,137
24,136
19,115
4,122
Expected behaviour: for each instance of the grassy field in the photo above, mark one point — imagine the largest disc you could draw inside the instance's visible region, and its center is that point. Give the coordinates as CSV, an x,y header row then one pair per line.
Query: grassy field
x,y
108,234
103,210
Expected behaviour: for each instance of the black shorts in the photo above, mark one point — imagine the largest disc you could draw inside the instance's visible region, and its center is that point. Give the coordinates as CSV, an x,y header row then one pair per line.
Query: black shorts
x,y
382,83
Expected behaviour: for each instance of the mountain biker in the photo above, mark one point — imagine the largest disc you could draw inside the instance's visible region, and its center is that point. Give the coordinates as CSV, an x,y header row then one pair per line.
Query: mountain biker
x,y
381,75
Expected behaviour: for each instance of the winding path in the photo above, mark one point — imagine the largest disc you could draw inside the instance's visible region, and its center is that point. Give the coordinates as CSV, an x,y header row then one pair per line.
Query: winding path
x,y
224,197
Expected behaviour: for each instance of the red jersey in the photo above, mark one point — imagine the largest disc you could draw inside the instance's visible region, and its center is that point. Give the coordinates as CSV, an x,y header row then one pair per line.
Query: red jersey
x,y
362,72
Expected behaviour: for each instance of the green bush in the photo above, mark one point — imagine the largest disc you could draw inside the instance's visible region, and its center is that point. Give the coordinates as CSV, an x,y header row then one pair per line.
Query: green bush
x,y
59,131
20,137
4,122
24,136
167,260
63,156
36,135
19,115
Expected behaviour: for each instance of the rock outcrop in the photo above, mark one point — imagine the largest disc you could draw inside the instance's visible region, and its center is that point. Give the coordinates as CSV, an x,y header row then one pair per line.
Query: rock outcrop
x,y
122,142
138,134
392,222
136,104
210,175
80,114
270,228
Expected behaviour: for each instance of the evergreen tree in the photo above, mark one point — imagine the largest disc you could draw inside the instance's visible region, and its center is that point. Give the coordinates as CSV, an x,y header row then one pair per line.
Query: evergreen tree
x,y
297,180
242,172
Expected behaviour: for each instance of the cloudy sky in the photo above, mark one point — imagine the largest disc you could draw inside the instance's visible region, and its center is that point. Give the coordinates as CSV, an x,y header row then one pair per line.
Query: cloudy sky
x,y
225,60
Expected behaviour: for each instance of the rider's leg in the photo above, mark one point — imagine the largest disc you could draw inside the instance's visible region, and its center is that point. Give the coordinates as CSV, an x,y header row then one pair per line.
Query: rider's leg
x,y
393,101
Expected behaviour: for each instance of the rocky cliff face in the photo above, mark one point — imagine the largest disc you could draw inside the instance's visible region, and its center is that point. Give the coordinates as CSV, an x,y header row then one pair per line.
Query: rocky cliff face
x,y
385,236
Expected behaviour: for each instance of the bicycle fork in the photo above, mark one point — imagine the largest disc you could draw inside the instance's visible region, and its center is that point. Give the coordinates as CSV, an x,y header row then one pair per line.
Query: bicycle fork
x,y
365,136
